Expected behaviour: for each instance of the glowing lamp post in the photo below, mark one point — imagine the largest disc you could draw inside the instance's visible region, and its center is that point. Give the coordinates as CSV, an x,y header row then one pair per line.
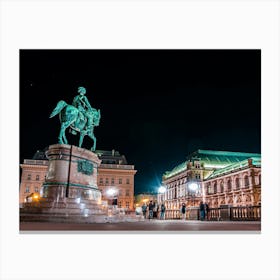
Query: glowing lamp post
x,y
161,191
193,187
112,193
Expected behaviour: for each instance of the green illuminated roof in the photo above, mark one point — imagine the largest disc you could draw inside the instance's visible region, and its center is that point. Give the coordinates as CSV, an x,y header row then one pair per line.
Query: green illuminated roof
x,y
256,161
179,168
220,159
212,160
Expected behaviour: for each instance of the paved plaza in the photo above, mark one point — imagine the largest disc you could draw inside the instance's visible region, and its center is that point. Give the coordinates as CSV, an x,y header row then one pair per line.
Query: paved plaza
x,y
158,226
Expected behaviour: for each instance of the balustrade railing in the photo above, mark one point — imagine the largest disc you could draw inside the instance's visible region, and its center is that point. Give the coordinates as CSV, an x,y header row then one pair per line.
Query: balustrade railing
x,y
242,213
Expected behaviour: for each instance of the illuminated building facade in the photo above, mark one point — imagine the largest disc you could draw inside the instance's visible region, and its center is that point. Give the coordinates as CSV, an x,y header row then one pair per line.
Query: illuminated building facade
x,y
33,175
220,178
115,177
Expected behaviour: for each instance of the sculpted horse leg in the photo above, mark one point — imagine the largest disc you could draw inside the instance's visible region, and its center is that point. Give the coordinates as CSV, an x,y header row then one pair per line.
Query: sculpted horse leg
x,y
62,137
82,135
62,134
91,135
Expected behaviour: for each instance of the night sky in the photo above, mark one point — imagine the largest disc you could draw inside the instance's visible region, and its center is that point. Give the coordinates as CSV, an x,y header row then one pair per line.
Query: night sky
x,y
157,106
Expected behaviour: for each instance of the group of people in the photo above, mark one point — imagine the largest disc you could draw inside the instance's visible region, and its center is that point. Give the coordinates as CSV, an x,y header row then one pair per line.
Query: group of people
x,y
153,210
203,211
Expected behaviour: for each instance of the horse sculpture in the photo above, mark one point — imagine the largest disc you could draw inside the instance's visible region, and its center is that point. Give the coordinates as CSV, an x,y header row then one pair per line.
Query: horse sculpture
x,y
70,116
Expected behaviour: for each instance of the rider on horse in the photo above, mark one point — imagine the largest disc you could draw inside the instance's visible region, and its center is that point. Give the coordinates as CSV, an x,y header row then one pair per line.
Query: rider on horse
x,y
82,104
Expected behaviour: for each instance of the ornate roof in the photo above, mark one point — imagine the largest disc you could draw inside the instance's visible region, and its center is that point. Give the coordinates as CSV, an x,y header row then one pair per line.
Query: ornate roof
x,y
212,160
256,161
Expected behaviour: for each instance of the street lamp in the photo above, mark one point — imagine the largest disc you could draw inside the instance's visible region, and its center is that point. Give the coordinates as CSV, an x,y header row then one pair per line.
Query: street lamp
x,y
193,187
111,191
162,189
112,194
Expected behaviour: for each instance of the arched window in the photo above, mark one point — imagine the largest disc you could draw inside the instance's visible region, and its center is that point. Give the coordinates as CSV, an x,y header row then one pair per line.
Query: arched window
x,y
209,189
222,187
246,181
229,185
215,188
237,184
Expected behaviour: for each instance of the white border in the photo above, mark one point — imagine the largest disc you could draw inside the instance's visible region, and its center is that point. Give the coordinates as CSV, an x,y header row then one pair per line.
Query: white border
x,y
146,24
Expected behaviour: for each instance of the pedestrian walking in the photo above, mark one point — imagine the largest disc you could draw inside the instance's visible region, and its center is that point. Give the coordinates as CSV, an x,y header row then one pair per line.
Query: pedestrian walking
x,y
201,211
183,211
154,210
151,208
162,211
144,210
207,213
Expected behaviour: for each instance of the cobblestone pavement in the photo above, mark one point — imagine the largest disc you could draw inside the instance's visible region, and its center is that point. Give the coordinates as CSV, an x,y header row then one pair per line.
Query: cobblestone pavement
x,y
157,226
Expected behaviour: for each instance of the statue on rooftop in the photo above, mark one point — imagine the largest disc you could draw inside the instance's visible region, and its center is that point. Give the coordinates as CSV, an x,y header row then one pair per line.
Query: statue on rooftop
x,y
80,116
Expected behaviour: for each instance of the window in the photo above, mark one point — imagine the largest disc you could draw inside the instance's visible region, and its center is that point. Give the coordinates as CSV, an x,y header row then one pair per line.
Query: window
x,y
127,204
126,192
222,187
113,181
237,184
36,189
37,177
246,180
127,180
101,181
229,185
260,179
209,189
29,177
120,181
215,188
107,181
120,192
120,204
27,190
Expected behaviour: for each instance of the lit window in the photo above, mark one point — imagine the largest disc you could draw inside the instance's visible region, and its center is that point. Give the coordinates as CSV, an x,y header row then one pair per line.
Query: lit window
x,y
229,185
36,189
120,204
29,177
246,179
215,187
222,187
113,181
107,181
37,177
127,204
237,185
27,190
120,181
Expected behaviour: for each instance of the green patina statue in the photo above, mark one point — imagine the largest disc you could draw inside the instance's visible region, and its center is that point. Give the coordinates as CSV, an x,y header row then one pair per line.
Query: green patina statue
x,y
80,116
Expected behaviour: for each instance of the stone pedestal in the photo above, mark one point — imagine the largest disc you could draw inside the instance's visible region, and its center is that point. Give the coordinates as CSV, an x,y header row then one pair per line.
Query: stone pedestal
x,y
70,192
72,173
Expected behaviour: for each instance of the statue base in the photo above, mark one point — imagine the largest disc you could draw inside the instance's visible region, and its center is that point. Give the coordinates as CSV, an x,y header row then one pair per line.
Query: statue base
x,y
70,191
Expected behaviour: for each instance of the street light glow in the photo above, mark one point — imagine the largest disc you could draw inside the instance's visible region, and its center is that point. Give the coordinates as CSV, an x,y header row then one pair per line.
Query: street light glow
x,y
193,186
162,189
111,192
